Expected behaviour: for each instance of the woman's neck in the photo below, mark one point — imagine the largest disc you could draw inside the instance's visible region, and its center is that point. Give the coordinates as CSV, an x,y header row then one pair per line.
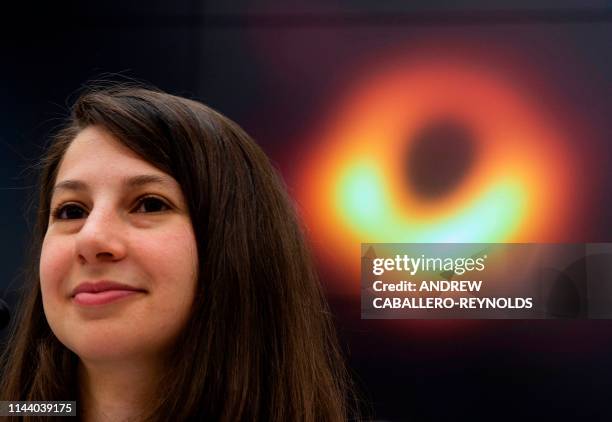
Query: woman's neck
x,y
112,391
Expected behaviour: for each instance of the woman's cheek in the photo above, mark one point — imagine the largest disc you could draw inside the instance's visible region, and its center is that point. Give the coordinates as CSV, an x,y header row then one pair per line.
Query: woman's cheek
x,y
171,249
55,259
172,260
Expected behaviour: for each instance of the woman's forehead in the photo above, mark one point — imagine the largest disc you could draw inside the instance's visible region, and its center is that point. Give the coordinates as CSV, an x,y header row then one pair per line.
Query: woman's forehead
x,y
95,147
97,157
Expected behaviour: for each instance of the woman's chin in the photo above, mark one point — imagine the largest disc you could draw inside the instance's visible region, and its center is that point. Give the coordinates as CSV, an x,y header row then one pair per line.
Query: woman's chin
x,y
93,349
91,354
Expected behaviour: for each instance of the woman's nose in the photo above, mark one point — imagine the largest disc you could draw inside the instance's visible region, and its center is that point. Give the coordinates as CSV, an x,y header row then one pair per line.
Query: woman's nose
x,y
101,238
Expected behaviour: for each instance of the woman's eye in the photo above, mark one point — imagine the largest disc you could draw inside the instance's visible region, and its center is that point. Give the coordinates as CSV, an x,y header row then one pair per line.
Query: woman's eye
x,y
152,204
69,212
75,212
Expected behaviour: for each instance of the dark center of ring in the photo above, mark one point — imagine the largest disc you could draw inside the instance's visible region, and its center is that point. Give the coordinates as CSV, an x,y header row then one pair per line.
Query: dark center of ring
x,y
440,156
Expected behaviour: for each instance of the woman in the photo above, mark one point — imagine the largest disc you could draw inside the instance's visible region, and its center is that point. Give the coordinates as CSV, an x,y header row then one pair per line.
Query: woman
x,y
170,280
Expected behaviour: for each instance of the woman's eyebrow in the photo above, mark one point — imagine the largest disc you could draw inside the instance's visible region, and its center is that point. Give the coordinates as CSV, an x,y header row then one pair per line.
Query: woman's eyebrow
x,y
131,182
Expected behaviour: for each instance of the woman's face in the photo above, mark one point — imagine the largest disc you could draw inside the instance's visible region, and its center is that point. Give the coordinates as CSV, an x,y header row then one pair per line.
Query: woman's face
x,y
116,218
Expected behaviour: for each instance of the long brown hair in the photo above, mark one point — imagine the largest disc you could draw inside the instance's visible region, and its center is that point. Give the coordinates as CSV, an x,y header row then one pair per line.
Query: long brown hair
x,y
260,344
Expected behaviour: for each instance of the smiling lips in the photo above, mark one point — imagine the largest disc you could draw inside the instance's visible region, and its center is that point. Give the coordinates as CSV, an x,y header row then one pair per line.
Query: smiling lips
x,y
102,292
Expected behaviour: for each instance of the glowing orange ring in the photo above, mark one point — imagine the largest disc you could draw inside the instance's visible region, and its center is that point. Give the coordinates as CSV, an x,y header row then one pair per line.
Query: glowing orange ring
x,y
351,186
